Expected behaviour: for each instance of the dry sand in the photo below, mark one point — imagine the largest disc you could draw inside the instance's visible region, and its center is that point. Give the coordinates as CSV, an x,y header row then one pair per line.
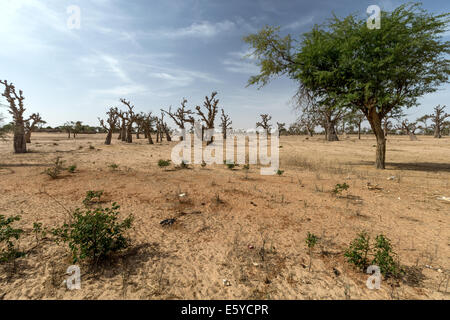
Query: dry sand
x,y
245,228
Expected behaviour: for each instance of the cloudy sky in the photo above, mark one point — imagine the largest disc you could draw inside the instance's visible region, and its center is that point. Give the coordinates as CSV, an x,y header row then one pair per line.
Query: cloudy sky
x,y
156,52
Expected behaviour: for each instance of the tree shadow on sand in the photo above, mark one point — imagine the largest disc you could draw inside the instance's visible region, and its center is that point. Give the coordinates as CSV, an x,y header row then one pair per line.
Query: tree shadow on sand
x,y
416,166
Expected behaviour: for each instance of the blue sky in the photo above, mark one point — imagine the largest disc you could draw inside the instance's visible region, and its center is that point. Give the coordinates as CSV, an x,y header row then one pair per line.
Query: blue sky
x,y
154,53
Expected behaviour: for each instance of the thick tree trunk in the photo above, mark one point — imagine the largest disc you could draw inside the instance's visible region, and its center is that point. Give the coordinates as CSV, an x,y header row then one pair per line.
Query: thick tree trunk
x,y
167,135
20,143
375,123
149,136
331,131
123,135
437,131
28,136
108,138
129,135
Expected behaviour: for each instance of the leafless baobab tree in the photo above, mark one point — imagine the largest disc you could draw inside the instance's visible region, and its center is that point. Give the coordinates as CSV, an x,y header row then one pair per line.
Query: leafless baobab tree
x,y
264,123
112,120
181,116
225,124
438,119
209,115
16,109
31,124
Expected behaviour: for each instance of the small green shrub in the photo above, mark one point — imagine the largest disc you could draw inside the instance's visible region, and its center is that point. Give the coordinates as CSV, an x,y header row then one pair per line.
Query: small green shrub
x,y
231,165
94,234
92,197
311,241
184,165
8,239
280,172
339,188
72,168
163,163
56,170
38,231
113,166
385,257
362,254
357,253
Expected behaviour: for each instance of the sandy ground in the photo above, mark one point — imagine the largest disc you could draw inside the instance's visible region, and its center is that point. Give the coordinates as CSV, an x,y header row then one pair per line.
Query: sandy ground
x,y
246,229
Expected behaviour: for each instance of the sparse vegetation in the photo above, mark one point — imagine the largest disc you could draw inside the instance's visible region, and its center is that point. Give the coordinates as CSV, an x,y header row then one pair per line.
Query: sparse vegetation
x,y
362,254
311,241
163,163
94,233
9,236
92,197
339,188
54,171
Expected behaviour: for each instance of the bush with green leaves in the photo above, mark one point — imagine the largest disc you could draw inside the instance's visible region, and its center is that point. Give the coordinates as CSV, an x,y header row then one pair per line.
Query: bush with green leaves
x,y
8,239
92,197
163,163
38,231
113,166
230,165
385,257
94,233
339,188
280,172
72,168
54,171
357,253
311,241
362,254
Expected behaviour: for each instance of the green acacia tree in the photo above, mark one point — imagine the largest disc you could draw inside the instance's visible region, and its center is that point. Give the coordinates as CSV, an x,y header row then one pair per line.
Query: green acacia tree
x,y
344,64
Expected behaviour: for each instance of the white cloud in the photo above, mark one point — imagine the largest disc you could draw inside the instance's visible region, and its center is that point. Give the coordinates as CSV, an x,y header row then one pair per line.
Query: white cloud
x,y
241,62
299,23
203,29
124,90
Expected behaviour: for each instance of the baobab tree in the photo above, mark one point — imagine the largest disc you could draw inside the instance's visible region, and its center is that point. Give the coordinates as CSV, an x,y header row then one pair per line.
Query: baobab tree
x,y
2,129
307,122
328,61
409,128
356,118
225,124
130,118
264,123
181,116
424,126
112,122
146,121
31,124
281,127
323,114
438,119
209,115
122,124
16,109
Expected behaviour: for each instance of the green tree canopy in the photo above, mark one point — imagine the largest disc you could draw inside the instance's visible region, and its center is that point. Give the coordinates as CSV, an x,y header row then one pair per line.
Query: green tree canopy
x,y
343,63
